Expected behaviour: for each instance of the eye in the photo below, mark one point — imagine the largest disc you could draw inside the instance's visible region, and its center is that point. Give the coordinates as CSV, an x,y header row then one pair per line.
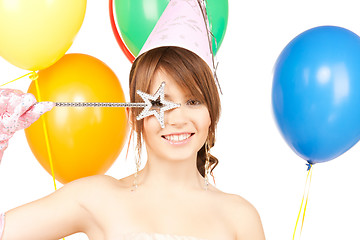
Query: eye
x,y
193,102
156,104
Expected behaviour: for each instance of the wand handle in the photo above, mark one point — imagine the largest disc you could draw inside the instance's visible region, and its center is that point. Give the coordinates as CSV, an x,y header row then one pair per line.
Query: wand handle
x,y
99,104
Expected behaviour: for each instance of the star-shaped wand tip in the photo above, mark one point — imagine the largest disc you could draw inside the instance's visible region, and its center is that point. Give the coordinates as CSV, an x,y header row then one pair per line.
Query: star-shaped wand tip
x,y
161,105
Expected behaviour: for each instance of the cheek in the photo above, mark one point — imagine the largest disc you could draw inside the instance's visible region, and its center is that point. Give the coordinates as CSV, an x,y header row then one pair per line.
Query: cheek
x,y
204,120
150,124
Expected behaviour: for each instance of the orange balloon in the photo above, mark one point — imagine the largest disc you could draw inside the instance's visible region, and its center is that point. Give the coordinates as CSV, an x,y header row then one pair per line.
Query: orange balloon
x,y
83,141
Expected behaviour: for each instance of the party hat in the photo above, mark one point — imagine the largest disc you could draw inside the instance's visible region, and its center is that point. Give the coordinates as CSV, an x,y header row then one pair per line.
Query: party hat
x,y
184,23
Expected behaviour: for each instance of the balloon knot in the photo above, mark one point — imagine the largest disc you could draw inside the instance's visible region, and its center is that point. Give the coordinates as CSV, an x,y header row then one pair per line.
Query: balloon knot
x,y
309,165
34,76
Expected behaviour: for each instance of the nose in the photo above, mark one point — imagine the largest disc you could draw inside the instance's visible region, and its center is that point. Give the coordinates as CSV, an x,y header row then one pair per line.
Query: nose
x,y
176,116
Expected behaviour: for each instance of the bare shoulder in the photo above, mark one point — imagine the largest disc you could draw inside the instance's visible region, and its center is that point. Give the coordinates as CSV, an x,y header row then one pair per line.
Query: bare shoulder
x,y
91,183
99,194
95,186
237,204
244,217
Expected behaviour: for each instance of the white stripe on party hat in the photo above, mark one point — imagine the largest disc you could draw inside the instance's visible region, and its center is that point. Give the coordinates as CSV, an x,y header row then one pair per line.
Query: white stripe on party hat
x,y
183,24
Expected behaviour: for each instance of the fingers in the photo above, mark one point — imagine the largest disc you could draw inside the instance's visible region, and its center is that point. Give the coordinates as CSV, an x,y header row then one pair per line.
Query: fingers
x,y
33,114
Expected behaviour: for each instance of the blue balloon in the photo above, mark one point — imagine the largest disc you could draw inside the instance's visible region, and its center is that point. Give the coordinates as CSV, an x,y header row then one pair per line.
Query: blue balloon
x,y
316,93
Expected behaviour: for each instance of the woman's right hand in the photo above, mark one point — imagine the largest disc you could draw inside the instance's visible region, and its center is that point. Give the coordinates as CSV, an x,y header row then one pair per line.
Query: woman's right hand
x,y
18,111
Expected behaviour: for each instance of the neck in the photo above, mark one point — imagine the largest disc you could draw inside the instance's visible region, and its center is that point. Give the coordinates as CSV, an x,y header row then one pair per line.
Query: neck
x,y
171,175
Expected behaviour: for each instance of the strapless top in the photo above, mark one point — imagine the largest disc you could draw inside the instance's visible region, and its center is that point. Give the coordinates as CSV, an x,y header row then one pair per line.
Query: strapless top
x,y
155,236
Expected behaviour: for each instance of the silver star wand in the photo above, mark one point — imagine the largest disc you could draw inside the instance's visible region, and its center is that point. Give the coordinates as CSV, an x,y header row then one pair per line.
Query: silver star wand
x,y
153,104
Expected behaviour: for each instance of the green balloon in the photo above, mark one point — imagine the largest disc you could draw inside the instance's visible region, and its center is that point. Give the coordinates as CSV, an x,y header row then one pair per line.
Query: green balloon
x,y
137,18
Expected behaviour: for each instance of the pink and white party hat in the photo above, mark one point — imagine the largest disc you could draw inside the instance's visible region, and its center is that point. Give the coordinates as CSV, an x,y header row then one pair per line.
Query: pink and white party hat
x,y
184,23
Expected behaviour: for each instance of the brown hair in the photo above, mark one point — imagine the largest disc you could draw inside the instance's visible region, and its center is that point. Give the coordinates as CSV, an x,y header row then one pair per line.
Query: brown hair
x,y
191,73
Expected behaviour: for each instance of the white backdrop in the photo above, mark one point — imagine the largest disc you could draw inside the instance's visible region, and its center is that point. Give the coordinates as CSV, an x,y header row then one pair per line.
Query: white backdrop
x,y
255,161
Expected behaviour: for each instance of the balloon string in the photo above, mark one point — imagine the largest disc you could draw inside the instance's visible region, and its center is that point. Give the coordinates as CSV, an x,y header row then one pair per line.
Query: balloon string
x,y
34,77
30,73
45,133
305,197
306,202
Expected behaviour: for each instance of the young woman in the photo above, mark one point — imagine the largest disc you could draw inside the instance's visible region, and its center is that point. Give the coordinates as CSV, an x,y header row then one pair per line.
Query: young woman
x,y
170,198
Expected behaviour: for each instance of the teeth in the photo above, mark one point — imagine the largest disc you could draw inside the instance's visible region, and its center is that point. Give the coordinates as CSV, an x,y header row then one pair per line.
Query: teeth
x,y
177,137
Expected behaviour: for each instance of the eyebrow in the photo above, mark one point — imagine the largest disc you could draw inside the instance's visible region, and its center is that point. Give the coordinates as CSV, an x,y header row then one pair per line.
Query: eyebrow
x,y
167,96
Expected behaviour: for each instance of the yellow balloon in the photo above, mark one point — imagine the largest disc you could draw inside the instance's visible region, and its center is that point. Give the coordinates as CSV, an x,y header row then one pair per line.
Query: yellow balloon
x,y
34,34
83,141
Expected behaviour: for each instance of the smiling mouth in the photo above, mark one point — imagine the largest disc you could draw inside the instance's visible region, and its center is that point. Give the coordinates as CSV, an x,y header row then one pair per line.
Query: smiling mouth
x,y
178,138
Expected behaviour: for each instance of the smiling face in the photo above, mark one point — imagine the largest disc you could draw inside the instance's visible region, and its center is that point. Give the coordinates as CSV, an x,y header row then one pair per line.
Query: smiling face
x,y
189,81
186,128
